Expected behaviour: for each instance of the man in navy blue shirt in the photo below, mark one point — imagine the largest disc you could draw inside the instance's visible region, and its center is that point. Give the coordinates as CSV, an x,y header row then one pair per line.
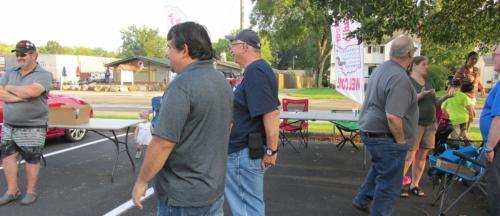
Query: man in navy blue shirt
x,y
490,129
255,128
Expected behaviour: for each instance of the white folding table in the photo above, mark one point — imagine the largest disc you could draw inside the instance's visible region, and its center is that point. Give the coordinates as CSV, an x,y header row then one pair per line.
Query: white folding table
x,y
319,116
330,116
98,126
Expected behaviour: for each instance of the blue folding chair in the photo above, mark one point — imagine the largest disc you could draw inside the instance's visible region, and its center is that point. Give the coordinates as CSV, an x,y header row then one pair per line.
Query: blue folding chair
x,y
155,109
458,165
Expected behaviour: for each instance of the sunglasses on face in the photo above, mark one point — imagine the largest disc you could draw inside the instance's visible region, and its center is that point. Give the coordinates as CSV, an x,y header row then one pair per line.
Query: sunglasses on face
x,y
18,54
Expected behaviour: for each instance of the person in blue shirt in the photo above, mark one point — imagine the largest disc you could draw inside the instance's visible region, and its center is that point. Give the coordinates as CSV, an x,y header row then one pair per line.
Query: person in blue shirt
x,y
490,129
253,144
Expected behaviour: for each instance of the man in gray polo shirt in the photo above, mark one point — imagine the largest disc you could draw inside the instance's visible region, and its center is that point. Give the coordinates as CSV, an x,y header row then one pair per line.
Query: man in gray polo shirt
x,y
188,152
388,122
24,92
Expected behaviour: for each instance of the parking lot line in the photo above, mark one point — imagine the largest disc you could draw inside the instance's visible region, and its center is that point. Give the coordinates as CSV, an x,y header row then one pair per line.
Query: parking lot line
x,y
72,148
129,204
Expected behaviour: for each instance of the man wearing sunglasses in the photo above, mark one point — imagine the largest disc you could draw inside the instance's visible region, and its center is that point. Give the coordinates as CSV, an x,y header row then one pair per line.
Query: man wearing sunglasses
x,y
24,92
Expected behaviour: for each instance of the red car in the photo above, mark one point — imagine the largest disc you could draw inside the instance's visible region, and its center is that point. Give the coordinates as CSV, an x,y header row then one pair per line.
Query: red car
x,y
232,78
72,135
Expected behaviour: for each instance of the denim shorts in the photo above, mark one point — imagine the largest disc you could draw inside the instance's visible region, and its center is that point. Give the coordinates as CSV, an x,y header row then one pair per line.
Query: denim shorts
x,y
27,141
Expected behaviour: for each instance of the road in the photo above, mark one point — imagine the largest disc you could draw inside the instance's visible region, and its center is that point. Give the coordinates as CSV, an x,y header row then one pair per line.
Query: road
x,y
317,181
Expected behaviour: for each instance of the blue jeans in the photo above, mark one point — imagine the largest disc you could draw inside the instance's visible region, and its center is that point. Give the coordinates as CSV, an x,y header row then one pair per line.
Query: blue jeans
x,y
383,183
244,188
216,209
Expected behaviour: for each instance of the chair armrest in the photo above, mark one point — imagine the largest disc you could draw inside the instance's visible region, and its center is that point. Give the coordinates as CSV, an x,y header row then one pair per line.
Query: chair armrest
x,y
465,157
453,145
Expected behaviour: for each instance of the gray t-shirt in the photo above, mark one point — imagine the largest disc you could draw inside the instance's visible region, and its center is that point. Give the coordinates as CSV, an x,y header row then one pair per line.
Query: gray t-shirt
x,y
426,104
33,112
389,91
196,114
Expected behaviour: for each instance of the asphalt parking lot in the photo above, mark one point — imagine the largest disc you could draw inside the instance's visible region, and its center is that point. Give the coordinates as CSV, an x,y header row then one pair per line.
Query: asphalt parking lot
x,y
317,181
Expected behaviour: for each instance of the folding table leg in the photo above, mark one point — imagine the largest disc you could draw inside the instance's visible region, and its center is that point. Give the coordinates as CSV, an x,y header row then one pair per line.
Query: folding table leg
x,y
118,151
127,150
115,141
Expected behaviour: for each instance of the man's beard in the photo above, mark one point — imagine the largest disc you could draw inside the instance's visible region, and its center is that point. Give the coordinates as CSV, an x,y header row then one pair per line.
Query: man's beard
x,y
23,63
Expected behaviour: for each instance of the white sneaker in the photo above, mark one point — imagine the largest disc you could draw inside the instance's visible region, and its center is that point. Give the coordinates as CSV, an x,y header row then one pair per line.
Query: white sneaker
x,y
138,155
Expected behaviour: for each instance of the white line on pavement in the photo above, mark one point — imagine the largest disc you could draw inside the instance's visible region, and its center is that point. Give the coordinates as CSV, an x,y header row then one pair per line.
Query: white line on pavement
x,y
73,148
129,204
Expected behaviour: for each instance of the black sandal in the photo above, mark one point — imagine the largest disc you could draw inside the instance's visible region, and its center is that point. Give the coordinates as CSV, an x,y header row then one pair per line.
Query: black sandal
x,y
417,191
404,193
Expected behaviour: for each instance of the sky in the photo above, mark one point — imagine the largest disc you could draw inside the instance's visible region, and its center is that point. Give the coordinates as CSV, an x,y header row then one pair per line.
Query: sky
x,y
97,23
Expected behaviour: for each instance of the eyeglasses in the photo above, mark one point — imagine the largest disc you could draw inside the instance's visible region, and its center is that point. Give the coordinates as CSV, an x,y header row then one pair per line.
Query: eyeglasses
x,y
19,54
234,44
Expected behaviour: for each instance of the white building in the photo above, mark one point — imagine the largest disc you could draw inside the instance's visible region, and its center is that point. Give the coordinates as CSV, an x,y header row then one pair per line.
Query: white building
x,y
374,56
487,70
90,66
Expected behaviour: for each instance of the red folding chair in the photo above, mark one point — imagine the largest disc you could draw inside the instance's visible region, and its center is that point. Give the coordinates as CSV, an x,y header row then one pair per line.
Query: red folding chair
x,y
294,128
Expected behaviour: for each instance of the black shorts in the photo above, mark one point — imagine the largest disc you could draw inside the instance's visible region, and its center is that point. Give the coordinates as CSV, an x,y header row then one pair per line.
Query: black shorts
x,y
27,141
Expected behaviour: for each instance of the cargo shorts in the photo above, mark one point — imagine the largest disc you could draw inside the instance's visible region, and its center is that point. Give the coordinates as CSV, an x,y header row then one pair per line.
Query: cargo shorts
x,y
27,141
425,138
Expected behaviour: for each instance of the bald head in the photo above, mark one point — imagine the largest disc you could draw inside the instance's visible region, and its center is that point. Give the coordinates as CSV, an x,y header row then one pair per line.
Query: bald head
x,y
496,58
401,47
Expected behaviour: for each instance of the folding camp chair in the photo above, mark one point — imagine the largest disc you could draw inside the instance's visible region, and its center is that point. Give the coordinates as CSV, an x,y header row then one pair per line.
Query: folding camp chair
x,y
294,128
348,131
465,165
155,109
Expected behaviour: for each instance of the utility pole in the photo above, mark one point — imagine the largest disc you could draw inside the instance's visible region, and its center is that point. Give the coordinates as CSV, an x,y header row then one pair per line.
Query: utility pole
x,y
241,15
293,62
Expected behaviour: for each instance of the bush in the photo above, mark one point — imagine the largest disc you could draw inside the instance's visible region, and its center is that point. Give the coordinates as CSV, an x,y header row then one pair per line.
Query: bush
x,y
438,75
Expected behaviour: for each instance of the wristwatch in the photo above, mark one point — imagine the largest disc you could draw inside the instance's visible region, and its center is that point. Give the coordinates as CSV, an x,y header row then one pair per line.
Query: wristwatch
x,y
270,152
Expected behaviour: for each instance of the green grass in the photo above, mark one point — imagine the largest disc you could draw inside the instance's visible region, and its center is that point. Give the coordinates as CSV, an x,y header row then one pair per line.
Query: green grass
x,y
325,128
318,93
117,116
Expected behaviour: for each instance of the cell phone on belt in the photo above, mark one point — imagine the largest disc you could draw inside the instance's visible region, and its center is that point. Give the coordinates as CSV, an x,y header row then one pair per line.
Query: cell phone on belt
x,y
256,143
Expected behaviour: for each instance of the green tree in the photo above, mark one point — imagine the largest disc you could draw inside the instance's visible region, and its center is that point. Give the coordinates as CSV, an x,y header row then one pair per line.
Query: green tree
x,y
82,51
450,56
290,23
266,50
6,48
438,75
223,46
305,54
142,41
53,47
102,52
439,23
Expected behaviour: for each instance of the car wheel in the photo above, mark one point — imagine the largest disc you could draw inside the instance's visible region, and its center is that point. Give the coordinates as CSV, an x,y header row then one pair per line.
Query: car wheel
x,y
75,135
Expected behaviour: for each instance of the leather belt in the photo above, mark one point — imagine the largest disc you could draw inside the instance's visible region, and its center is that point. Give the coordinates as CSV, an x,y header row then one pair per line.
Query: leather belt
x,y
377,135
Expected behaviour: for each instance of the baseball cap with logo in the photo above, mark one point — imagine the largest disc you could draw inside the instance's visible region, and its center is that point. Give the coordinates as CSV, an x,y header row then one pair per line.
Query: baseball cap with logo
x,y
248,36
24,46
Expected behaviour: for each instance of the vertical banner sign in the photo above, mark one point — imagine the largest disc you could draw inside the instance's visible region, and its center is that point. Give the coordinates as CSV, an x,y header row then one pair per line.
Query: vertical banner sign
x,y
174,16
349,61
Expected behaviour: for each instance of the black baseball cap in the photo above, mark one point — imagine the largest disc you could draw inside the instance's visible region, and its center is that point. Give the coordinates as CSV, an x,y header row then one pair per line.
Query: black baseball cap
x,y
248,36
24,46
